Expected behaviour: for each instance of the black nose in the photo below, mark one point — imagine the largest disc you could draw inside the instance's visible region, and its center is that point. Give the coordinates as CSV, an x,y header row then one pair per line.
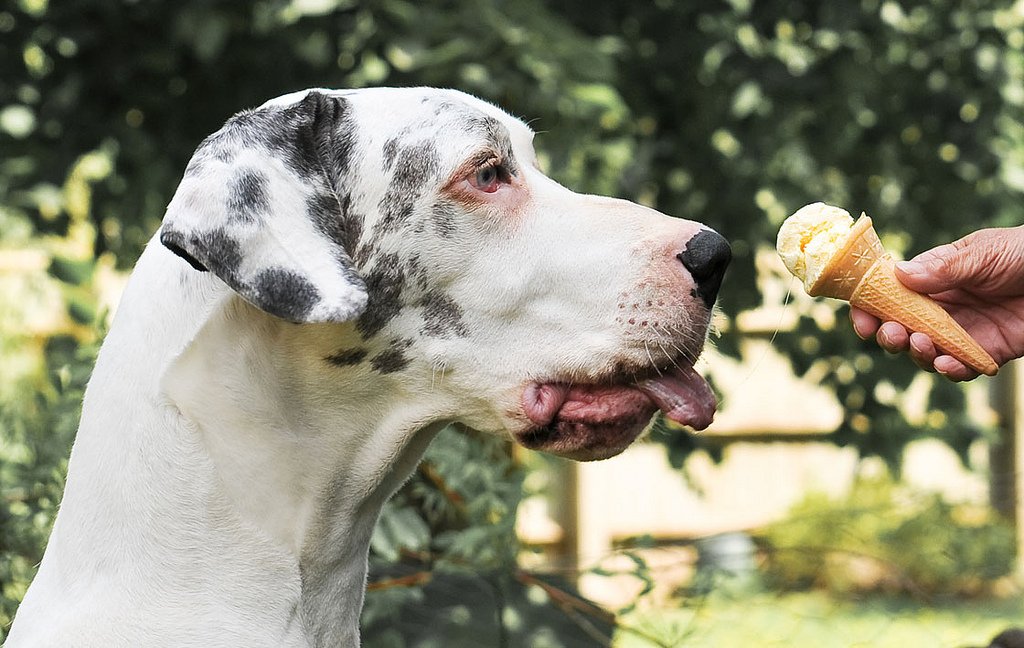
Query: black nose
x,y
706,256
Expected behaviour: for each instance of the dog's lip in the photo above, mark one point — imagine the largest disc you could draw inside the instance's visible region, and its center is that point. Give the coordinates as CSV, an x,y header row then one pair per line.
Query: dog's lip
x,y
601,419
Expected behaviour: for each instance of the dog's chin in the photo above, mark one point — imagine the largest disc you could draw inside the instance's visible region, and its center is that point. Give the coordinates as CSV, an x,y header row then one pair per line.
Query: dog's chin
x,y
584,441
589,422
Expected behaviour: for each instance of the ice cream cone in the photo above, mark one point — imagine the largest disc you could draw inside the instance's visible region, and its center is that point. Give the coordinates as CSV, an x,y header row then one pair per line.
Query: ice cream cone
x,y
862,273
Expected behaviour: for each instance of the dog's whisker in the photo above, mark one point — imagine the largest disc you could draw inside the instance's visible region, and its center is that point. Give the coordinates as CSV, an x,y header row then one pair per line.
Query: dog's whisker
x,y
437,371
687,337
653,363
661,346
671,357
666,336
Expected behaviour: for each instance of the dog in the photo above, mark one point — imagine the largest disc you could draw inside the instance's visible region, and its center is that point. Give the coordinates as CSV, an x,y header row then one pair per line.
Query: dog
x,y
339,275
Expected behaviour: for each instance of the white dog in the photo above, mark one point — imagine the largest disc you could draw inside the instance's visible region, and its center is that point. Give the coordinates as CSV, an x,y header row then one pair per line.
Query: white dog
x,y
339,275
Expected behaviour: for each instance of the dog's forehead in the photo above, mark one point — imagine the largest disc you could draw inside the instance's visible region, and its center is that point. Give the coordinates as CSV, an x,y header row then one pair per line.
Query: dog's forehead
x,y
419,113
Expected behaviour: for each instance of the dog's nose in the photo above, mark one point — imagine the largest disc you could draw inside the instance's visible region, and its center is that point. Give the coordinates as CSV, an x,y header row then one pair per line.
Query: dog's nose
x,y
706,256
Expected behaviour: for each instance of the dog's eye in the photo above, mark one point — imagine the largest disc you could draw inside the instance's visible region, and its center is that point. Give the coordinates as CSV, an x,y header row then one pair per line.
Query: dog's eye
x,y
488,178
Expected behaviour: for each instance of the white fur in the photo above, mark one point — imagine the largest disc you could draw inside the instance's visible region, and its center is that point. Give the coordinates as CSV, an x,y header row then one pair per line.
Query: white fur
x,y
225,480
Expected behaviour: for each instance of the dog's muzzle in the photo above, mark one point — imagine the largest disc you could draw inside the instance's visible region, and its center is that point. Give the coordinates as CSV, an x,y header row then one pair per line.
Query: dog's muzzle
x,y
588,422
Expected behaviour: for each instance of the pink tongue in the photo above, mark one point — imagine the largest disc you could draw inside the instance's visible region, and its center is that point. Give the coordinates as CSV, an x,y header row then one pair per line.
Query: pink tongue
x,y
684,396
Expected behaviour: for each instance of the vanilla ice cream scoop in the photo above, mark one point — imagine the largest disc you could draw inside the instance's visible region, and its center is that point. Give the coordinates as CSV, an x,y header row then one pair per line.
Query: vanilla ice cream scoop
x,y
836,257
810,238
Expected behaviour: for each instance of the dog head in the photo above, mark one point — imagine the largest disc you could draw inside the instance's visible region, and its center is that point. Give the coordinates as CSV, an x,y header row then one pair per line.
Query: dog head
x,y
413,230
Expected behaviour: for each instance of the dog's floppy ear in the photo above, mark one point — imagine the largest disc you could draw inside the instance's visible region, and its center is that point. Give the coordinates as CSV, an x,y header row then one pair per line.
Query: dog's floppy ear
x,y
259,208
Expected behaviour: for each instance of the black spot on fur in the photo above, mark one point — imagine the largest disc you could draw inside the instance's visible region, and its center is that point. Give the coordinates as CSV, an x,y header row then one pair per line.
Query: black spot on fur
x,y
415,166
323,210
277,291
390,150
340,143
306,134
384,284
284,293
444,218
336,220
363,253
347,357
292,135
221,252
442,317
314,137
415,271
392,359
351,225
247,199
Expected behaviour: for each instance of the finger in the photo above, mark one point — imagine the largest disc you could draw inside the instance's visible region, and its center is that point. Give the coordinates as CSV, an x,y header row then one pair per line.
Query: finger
x,y
922,351
893,337
953,369
970,261
865,325
926,273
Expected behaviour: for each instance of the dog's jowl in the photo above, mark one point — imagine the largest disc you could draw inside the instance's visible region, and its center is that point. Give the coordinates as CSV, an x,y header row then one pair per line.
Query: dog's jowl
x,y
339,275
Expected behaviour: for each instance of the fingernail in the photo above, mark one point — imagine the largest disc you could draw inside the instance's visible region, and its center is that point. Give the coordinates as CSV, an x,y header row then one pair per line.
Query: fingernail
x,y
911,267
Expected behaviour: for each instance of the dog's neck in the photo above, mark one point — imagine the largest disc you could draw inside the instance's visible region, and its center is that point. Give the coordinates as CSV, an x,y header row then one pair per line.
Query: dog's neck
x,y
277,474
309,473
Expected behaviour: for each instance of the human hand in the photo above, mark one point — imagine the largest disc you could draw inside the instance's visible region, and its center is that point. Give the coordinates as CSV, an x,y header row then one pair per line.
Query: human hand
x,y
979,280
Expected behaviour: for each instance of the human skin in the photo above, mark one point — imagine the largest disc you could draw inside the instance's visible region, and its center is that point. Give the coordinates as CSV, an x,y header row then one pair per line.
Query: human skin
x,y
979,280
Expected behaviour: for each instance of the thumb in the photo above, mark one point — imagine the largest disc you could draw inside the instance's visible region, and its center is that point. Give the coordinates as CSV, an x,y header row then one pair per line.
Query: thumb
x,y
953,265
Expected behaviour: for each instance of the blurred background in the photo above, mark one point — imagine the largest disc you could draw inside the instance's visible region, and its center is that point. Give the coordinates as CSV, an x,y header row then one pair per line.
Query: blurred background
x,y
842,497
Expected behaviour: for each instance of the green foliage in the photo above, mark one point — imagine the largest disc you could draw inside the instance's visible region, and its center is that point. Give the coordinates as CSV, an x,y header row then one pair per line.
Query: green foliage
x,y
884,537
815,619
104,101
36,432
457,513
746,111
733,114
468,610
443,561
742,111
459,507
145,82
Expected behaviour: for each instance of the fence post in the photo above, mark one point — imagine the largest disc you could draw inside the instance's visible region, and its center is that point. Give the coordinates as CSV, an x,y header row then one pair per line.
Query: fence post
x,y
1006,456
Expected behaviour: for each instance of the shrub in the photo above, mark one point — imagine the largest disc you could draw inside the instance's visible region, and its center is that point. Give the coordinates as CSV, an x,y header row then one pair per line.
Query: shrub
x,y
886,536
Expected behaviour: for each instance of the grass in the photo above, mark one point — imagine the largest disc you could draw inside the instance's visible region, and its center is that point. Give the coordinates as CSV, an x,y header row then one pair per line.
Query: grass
x,y
815,620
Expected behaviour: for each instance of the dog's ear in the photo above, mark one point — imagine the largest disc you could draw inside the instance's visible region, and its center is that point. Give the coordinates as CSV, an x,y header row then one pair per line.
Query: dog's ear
x,y
259,207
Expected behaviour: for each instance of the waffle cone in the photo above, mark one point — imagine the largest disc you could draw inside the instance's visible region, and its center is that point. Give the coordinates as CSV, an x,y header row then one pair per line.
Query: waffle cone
x,y
863,273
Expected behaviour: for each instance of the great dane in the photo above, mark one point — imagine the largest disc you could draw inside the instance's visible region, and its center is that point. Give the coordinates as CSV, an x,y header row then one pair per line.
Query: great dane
x,y
339,275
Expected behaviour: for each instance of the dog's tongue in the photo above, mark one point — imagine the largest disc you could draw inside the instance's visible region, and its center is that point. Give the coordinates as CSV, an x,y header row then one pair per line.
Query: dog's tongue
x,y
683,396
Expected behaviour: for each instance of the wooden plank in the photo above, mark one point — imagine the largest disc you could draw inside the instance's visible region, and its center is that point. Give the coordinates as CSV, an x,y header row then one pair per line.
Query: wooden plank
x,y
1006,456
